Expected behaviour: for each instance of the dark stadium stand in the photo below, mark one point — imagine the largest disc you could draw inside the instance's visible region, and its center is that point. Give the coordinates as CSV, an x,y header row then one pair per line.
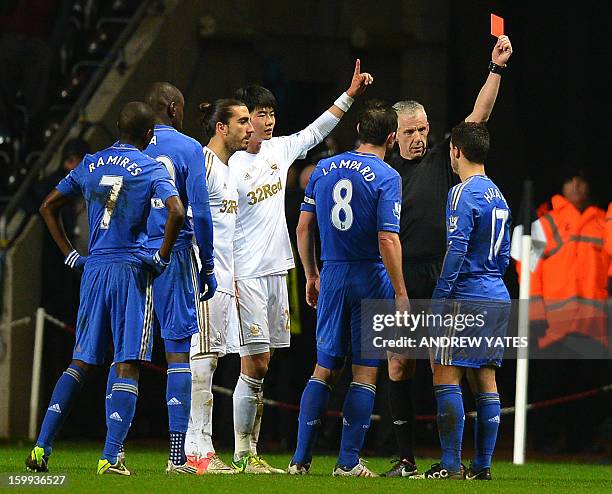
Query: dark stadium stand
x,y
83,40
87,31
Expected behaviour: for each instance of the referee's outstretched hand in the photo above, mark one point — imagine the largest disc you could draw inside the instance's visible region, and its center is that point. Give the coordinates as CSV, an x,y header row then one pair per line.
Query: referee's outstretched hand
x,y
208,285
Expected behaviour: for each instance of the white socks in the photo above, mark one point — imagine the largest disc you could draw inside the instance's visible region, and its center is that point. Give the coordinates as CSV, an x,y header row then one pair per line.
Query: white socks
x,y
257,423
247,394
199,433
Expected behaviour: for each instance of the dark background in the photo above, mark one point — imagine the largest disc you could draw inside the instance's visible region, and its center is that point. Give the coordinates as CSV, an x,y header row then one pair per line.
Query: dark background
x,y
551,116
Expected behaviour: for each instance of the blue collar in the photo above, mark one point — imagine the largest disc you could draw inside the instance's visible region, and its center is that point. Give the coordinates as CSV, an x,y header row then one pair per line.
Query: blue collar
x,y
358,153
124,146
164,127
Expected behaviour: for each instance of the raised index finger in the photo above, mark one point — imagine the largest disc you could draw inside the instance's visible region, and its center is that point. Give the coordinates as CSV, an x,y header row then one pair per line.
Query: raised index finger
x,y
357,67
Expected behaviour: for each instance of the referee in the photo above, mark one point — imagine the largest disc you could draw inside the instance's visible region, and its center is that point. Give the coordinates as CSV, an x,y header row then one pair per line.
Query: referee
x,y
426,179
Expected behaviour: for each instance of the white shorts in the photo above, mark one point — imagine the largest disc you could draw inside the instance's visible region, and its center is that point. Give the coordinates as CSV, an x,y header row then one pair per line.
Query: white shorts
x,y
263,312
220,329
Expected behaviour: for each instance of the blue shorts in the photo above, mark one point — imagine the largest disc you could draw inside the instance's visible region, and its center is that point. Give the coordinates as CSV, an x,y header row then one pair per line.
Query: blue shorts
x,y
479,343
343,287
116,307
176,296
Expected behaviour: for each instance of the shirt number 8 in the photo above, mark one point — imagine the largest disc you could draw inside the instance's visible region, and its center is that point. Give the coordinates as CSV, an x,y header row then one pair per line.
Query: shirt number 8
x,y
342,194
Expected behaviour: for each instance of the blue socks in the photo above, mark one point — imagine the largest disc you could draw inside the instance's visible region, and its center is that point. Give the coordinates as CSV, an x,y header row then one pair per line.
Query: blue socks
x,y
112,376
485,431
356,413
122,409
312,407
178,399
66,389
451,419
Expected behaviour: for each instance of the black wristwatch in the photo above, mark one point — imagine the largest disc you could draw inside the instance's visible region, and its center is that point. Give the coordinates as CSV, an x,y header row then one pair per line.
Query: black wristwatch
x,y
496,69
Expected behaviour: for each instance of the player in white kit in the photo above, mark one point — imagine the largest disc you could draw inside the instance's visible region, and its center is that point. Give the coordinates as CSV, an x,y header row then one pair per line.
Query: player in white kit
x,y
262,252
227,129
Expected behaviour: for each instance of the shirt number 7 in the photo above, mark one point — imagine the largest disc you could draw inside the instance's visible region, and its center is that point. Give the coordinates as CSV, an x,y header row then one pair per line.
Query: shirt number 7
x,y
115,182
497,214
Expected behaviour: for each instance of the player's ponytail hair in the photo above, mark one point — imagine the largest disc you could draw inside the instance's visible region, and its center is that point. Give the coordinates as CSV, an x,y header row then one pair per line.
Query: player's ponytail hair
x,y
218,111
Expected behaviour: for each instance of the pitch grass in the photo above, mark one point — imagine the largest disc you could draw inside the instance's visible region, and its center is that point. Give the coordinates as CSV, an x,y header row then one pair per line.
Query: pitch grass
x,y
78,462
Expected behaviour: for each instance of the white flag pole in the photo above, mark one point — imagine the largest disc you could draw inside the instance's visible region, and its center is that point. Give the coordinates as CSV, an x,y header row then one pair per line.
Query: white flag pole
x,y
522,362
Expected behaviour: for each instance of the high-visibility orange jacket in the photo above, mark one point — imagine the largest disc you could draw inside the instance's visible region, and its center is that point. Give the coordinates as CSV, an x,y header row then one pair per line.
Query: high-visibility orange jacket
x,y
608,240
569,287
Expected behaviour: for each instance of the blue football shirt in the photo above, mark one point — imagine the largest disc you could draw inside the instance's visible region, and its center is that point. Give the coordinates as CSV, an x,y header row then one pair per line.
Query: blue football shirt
x,y
117,184
478,247
354,195
183,157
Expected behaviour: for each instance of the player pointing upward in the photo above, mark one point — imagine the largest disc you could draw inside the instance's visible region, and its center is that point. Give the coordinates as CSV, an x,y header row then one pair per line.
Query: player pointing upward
x,y
262,250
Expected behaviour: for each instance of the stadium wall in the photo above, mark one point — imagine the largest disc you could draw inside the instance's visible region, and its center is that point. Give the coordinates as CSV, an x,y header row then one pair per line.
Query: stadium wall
x,y
21,296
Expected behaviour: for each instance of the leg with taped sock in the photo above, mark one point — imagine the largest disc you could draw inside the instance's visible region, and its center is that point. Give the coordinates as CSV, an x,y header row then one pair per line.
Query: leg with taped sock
x,y
199,431
245,409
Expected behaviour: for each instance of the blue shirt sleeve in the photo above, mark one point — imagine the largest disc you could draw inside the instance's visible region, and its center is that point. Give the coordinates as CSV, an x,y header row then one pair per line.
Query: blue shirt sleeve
x,y
389,205
71,184
197,193
460,212
309,202
161,183
503,258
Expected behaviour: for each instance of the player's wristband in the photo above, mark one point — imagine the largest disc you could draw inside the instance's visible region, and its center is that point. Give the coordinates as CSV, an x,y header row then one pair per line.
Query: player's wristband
x,y
496,69
208,267
344,102
159,260
72,258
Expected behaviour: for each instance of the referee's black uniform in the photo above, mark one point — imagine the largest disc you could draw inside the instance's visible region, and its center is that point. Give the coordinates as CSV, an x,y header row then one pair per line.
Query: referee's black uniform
x,y
425,185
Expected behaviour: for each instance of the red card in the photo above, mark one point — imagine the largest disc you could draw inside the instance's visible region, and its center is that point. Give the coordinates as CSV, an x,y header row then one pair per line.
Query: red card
x,y
497,26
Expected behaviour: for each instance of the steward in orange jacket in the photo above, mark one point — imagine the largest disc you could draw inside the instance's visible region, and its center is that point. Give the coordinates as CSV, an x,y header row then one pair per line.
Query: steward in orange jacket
x,y
569,285
608,242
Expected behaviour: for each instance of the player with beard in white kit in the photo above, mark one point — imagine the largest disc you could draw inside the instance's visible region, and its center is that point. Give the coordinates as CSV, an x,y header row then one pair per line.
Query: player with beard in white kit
x,y
227,129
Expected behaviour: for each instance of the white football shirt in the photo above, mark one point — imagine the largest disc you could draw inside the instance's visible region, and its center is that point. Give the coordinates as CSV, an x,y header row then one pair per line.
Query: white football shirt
x,y
223,197
261,243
